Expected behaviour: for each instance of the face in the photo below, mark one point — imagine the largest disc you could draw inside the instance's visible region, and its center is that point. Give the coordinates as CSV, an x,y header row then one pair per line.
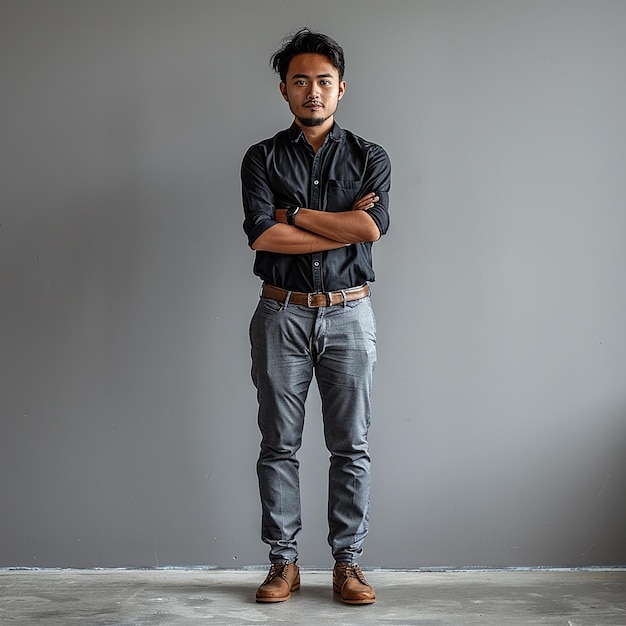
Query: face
x,y
312,89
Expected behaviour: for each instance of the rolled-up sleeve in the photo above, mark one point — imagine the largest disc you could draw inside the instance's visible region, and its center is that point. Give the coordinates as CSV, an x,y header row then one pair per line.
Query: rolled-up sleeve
x,y
378,180
257,196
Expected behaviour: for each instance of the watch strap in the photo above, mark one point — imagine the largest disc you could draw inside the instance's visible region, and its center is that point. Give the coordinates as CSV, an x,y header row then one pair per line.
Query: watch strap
x,y
291,215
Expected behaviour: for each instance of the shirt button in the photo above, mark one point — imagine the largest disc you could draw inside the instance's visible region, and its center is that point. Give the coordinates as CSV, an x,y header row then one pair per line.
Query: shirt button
x,y
317,263
316,182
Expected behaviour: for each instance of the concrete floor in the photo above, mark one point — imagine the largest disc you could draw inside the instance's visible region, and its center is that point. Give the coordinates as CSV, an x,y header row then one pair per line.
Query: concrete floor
x,y
177,597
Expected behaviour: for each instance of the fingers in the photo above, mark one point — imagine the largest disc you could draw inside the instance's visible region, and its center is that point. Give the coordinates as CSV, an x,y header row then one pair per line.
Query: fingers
x,y
366,202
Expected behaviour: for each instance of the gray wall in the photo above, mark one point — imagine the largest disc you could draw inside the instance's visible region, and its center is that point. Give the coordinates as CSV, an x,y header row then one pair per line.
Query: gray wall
x,y
128,416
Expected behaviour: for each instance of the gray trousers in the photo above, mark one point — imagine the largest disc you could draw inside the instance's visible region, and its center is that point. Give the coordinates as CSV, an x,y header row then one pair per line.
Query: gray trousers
x,y
289,344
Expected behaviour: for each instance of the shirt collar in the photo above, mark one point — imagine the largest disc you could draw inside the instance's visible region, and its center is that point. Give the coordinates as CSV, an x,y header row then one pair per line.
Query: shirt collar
x,y
296,134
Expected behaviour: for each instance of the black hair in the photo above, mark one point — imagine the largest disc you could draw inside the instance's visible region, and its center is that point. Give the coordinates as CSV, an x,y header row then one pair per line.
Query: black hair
x,y
306,40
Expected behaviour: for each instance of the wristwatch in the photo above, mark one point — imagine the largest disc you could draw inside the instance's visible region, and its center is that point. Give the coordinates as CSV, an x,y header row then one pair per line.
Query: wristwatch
x,y
291,215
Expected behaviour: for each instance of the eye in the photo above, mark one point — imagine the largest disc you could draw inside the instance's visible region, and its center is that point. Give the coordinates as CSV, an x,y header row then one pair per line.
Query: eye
x,y
300,83
325,83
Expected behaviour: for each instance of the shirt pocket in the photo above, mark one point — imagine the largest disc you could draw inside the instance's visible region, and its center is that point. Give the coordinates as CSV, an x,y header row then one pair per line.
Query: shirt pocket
x,y
341,194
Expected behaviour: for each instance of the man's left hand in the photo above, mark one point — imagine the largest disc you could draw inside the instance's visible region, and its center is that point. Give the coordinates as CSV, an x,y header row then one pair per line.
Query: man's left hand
x,y
280,215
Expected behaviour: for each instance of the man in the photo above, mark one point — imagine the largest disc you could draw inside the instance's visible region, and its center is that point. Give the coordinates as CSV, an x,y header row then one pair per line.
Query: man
x,y
315,198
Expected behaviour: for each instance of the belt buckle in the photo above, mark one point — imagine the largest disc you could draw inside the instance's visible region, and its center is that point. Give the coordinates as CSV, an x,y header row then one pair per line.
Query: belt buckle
x,y
310,296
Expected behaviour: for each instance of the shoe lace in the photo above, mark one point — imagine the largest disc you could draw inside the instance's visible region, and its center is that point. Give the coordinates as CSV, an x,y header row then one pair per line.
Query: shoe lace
x,y
355,571
276,570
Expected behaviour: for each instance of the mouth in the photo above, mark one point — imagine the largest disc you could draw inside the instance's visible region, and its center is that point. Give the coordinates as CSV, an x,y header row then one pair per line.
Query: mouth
x,y
314,105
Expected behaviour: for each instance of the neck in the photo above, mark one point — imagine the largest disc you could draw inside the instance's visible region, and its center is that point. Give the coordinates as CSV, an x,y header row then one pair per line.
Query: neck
x,y
315,135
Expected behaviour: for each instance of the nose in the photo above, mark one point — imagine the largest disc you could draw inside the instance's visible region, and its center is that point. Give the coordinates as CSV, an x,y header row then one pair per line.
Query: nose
x,y
313,92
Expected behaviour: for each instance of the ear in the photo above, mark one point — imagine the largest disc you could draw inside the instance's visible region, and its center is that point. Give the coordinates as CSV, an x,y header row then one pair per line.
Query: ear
x,y
342,88
283,91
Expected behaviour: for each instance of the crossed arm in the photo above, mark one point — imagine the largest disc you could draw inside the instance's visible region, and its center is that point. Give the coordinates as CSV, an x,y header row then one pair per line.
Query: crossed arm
x,y
317,231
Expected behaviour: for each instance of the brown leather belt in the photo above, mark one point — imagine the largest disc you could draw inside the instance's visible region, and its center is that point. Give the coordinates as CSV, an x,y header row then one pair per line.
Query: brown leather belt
x,y
330,298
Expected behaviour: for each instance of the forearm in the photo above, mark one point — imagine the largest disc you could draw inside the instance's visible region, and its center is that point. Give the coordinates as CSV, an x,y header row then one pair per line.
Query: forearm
x,y
347,227
286,239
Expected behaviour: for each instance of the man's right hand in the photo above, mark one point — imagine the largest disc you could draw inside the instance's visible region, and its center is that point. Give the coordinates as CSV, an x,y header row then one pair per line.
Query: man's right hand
x,y
365,203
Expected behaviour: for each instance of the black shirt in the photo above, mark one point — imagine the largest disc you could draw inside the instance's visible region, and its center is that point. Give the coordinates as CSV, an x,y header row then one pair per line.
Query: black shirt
x,y
285,171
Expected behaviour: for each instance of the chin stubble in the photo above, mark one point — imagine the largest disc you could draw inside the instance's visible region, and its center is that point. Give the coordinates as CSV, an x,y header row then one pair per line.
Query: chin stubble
x,y
311,121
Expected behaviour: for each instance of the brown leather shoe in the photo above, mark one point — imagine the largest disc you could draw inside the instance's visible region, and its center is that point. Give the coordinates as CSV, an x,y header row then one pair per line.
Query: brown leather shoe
x,y
282,579
350,582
